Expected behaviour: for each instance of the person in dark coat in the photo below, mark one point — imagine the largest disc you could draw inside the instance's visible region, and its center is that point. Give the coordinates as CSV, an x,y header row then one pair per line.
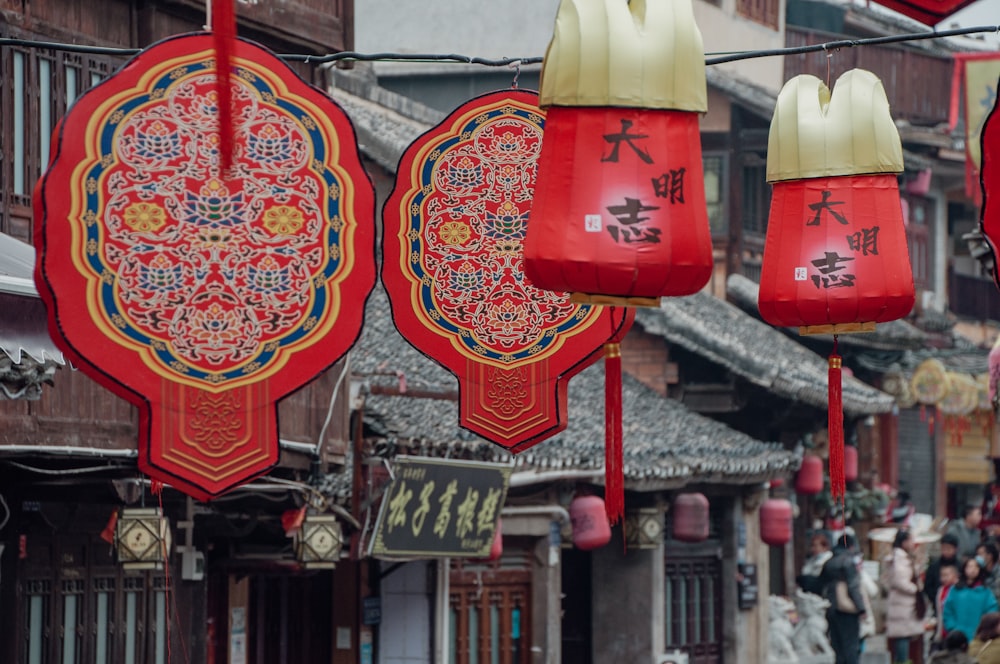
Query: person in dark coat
x,y
843,621
967,530
932,579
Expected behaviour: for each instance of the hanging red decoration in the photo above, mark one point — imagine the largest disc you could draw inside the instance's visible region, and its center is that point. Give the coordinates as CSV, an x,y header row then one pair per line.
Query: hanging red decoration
x,y
224,35
850,463
776,522
989,222
204,297
928,12
591,529
454,225
809,481
690,517
619,212
496,549
835,257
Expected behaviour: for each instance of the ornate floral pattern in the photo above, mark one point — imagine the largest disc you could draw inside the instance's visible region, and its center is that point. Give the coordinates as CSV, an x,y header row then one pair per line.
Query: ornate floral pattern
x,y
468,219
204,297
212,272
454,226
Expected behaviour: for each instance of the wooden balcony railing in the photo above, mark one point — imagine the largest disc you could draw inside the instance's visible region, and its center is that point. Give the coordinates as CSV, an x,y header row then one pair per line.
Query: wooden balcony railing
x,y
918,84
973,297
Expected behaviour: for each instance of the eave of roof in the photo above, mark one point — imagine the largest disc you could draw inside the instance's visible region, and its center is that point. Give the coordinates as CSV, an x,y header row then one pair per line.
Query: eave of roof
x,y
894,335
761,355
665,443
896,344
28,357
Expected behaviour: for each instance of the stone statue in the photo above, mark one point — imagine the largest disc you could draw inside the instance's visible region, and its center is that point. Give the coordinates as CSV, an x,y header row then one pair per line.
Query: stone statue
x,y
780,632
810,639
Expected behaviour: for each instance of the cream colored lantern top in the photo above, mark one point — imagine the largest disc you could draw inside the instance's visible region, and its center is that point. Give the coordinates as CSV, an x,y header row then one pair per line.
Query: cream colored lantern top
x,y
638,54
818,134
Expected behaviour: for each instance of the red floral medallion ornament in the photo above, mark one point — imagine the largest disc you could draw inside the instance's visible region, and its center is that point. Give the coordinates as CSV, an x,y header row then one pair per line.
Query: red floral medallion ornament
x,y
619,212
835,257
201,294
454,226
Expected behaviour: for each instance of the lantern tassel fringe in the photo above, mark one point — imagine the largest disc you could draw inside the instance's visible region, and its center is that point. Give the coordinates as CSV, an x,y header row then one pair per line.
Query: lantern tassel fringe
x,y
224,36
614,471
835,425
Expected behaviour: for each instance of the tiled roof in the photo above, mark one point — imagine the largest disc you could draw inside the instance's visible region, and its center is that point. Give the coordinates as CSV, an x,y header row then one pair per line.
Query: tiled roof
x,y
894,335
386,122
754,351
896,343
665,443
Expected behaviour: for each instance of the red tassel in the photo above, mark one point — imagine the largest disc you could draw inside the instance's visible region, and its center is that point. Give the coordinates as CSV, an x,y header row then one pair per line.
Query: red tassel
x,y
224,33
614,471
835,424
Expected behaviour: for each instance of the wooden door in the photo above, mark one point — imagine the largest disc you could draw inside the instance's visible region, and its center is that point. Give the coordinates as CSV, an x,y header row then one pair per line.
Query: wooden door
x,y
490,616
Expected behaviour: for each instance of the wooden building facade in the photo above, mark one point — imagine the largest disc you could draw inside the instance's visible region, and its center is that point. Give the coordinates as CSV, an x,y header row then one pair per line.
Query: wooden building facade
x,y
68,459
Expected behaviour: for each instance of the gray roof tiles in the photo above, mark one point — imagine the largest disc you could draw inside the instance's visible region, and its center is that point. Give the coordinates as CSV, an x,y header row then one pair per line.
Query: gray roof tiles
x,y
664,443
754,351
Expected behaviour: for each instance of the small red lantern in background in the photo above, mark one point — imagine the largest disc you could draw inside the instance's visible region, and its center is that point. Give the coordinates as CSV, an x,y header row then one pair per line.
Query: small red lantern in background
x,y
809,481
591,529
850,463
776,522
497,549
835,258
619,214
690,517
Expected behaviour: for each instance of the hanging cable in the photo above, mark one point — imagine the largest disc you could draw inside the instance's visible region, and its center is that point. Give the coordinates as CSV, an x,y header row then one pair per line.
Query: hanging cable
x,y
455,58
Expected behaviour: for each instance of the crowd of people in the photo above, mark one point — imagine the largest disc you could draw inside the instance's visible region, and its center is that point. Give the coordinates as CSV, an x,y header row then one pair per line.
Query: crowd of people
x,y
951,610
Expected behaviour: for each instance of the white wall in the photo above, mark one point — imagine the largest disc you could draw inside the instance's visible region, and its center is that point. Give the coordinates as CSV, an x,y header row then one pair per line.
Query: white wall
x,y
405,631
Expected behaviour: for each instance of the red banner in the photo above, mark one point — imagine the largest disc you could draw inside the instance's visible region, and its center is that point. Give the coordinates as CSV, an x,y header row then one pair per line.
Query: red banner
x,y
454,227
974,91
204,297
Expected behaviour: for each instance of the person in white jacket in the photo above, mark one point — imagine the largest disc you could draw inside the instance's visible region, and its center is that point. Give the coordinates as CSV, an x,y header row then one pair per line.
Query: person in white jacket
x,y
904,623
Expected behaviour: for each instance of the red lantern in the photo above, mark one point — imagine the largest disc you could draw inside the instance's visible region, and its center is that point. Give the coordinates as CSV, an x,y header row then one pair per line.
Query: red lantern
x,y
619,211
496,549
690,517
809,481
591,528
850,463
776,521
835,258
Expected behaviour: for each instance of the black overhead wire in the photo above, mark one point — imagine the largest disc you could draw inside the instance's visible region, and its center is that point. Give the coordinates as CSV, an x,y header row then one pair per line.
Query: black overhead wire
x,y
454,58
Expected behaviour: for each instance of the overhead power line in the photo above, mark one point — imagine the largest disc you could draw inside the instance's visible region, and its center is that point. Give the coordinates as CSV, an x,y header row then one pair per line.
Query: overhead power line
x,y
454,58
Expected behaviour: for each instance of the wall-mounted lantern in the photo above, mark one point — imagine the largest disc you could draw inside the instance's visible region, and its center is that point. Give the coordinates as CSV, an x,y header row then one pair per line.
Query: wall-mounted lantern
x,y
320,543
142,538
